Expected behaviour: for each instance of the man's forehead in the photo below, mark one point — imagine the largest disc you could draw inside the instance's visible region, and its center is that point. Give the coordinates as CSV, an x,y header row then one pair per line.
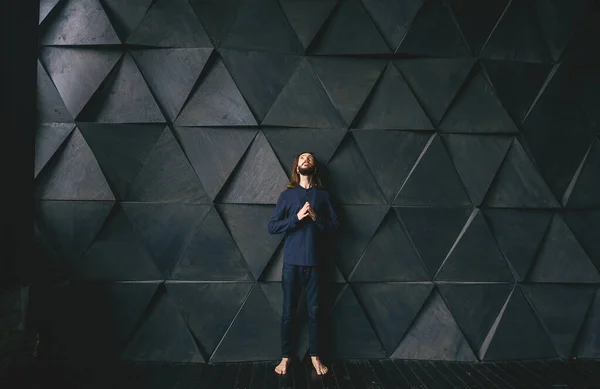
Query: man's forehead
x,y
305,155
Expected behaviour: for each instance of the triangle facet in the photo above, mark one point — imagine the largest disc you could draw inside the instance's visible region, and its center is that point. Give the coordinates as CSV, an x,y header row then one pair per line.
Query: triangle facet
x,y
348,82
433,180
434,335
77,72
260,75
121,150
170,23
171,74
214,152
167,175
123,98
50,106
80,22
561,258
211,255
304,103
350,31
216,101
392,105
475,256
477,109
163,337
74,174
48,138
258,179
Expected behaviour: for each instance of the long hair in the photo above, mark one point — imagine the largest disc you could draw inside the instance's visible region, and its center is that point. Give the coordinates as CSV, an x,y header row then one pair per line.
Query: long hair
x,y
314,179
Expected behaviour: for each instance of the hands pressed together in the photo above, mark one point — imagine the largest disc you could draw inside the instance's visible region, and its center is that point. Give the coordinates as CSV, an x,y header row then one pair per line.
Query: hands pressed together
x,y
307,211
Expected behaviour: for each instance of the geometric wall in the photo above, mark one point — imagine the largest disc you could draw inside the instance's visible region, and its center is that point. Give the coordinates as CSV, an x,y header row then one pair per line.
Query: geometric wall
x,y
460,139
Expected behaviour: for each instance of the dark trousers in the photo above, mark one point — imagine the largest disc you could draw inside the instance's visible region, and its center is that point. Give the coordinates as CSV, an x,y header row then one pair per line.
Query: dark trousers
x,y
293,278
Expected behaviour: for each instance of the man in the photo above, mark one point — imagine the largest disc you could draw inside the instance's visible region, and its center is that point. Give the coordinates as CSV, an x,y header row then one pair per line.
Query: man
x,y
304,213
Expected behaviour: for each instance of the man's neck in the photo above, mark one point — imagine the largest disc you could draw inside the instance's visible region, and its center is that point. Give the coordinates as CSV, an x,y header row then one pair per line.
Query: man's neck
x,y
305,181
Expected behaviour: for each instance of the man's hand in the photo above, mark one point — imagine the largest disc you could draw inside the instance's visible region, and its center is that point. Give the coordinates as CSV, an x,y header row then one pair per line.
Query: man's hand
x,y
304,211
311,213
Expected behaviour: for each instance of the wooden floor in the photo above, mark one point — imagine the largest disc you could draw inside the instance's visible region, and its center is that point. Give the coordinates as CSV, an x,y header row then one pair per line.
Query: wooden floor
x,y
359,374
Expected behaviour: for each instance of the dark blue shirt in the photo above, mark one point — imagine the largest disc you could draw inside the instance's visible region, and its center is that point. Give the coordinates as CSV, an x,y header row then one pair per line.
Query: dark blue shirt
x,y
303,238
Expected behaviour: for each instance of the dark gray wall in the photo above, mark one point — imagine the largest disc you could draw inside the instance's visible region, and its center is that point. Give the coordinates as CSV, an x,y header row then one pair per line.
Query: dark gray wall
x,y
460,140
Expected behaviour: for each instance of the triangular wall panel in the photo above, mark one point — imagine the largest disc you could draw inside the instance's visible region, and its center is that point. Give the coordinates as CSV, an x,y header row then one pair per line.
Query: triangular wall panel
x,y
358,188
211,255
475,256
223,300
79,22
260,76
169,23
48,139
165,229
476,109
162,337
433,180
124,97
117,254
477,159
391,156
562,309
125,15
215,101
475,307
214,152
440,225
477,19
350,31
261,25
171,74
307,17
74,174
167,175
303,102
561,258
77,72
258,179
50,105
391,307
248,226
434,33
518,36
352,334
435,81
519,184
517,334
390,256
250,335
392,105
393,18
121,150
519,234
71,227
288,143
434,335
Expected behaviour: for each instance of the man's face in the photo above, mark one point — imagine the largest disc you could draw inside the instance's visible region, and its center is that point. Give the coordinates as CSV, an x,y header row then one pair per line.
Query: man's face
x,y
306,164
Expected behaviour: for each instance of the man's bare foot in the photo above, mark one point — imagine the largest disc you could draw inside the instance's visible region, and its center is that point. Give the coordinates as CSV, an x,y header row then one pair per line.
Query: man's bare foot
x,y
319,367
282,367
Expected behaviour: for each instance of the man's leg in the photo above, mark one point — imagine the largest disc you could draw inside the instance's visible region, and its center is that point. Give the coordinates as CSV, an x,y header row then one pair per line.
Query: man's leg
x,y
312,279
291,283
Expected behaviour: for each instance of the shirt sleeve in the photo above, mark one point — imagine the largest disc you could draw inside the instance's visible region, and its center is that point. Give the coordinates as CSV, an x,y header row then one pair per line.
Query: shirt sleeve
x,y
329,221
280,222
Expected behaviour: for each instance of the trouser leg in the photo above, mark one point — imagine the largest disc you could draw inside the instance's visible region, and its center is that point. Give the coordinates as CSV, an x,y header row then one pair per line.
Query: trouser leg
x,y
291,283
312,282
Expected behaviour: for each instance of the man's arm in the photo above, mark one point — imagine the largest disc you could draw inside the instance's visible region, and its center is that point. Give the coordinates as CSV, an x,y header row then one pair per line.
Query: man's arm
x,y
280,222
328,222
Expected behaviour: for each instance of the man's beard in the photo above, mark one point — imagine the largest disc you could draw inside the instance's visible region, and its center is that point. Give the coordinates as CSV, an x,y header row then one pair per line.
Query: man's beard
x,y
306,171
